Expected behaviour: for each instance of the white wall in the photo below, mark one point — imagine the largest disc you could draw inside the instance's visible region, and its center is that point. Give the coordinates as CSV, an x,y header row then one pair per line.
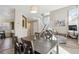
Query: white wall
x,y
57,15
19,30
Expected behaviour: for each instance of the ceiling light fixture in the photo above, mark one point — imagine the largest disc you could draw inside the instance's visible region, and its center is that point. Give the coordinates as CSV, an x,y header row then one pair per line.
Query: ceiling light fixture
x,y
33,9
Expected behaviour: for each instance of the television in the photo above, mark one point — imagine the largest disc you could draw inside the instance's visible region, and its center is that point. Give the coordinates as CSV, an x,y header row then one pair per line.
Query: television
x,y
73,27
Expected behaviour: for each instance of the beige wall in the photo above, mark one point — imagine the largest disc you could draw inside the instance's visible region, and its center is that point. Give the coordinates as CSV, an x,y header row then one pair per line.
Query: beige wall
x,y
57,15
19,30
34,27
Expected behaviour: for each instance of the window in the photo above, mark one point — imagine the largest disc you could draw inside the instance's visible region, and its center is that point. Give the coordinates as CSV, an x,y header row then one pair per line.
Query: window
x,y
5,26
73,15
46,20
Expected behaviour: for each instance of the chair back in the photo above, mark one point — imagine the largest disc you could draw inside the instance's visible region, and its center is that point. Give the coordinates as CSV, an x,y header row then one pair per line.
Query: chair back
x,y
17,45
28,49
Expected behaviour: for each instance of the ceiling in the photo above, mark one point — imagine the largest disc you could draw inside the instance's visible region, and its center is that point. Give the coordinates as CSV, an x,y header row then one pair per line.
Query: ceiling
x,y
4,10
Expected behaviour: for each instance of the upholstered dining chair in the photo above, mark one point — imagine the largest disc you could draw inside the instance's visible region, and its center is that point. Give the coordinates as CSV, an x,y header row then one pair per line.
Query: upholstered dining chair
x,y
27,47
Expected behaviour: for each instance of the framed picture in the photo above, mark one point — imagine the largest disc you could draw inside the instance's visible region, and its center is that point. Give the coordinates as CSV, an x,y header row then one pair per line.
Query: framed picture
x,y
24,21
59,22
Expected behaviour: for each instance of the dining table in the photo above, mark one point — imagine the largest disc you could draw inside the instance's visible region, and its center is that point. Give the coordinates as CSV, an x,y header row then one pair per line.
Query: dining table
x,y
44,46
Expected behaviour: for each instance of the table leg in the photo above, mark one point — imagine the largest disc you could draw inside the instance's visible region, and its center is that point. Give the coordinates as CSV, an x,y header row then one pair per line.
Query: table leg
x,y
57,48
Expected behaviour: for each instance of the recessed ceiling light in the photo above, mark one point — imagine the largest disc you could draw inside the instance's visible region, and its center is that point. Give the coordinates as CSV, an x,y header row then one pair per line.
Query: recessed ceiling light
x,y
33,11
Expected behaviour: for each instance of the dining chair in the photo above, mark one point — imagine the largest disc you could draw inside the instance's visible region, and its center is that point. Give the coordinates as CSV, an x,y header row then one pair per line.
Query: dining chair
x,y
17,46
27,47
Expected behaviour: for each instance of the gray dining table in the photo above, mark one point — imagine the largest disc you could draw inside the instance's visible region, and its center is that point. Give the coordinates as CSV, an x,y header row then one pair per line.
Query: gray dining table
x,y
43,46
